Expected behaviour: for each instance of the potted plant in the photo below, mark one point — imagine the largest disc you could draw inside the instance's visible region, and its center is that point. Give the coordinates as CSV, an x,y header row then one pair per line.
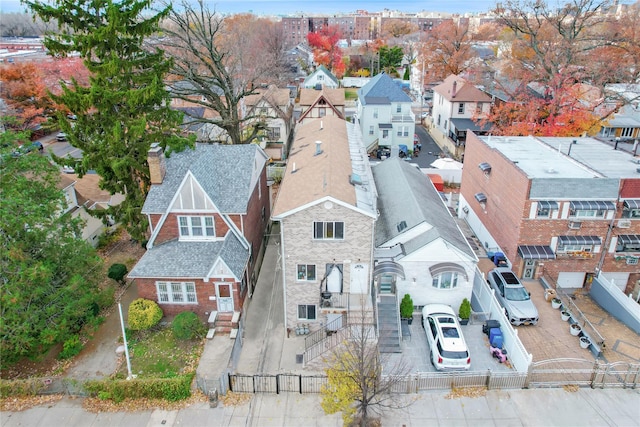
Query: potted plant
x,y
556,303
575,329
585,342
464,312
406,308
565,315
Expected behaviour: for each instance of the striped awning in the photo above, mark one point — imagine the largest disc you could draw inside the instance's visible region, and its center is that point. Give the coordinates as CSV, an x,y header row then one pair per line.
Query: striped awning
x,y
593,205
386,267
548,204
445,267
536,252
632,204
629,239
580,240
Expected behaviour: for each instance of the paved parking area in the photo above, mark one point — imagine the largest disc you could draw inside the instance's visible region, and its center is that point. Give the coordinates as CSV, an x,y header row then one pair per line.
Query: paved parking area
x,y
415,350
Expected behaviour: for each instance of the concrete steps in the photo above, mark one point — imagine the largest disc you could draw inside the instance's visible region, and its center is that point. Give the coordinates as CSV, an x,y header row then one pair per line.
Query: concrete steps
x,y
389,335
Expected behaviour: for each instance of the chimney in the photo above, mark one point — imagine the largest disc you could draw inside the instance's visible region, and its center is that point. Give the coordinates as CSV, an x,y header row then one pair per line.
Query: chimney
x,y
157,163
318,148
455,87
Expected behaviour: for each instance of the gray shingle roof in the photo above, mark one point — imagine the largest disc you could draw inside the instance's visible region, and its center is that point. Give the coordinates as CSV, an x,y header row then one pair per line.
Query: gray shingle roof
x,y
382,90
224,171
405,194
174,259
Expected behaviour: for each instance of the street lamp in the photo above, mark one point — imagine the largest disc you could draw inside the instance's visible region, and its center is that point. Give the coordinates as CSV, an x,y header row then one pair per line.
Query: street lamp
x,y
126,347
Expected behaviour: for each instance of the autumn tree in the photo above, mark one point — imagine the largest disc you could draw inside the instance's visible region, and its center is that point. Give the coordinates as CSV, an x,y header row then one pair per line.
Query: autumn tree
x,y
326,51
356,385
397,28
24,92
207,73
48,273
447,50
125,107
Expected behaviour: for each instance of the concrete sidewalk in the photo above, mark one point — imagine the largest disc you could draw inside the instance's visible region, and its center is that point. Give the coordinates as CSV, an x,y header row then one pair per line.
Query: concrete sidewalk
x,y
537,407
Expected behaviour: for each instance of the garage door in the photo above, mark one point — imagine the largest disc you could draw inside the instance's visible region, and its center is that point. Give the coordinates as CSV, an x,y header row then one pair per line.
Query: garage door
x,y
618,279
571,280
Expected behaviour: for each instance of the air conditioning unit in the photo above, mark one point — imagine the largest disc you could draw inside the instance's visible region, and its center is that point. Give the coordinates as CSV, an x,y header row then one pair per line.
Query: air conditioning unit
x,y
624,223
575,225
632,260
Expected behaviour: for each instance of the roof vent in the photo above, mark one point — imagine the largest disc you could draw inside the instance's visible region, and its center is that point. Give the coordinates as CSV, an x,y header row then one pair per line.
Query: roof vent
x,y
485,167
318,148
481,197
355,179
402,225
551,170
321,125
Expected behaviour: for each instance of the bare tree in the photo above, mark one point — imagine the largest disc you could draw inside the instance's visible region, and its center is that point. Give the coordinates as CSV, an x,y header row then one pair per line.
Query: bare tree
x,y
206,74
361,380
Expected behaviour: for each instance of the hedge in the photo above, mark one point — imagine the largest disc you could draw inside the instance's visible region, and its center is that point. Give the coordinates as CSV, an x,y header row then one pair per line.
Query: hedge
x,y
171,389
15,388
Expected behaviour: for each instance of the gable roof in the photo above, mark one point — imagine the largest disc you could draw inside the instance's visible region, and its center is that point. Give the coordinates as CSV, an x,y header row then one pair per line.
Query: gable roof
x,y
382,90
273,95
325,70
311,177
311,96
464,91
405,194
225,172
183,260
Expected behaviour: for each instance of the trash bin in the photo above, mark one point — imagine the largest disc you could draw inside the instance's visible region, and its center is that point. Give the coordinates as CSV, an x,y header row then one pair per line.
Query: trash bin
x,y
213,398
549,294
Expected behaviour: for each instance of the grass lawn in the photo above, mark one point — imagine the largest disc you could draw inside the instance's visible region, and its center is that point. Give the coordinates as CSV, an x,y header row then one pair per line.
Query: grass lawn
x,y
350,93
156,353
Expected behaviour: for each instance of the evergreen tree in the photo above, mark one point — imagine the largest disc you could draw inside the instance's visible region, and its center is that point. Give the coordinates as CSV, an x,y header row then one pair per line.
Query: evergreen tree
x,y
125,107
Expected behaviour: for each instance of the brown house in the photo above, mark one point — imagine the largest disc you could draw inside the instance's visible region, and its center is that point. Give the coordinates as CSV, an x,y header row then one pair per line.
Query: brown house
x,y
208,209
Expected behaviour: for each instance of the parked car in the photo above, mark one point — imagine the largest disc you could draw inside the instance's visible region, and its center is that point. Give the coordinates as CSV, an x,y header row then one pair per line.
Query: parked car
x,y
448,349
31,147
61,136
513,297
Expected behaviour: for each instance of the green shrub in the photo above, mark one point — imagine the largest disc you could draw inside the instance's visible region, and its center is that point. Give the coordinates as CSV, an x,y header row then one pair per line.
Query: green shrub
x,y
171,389
143,314
118,272
16,388
465,309
187,325
406,307
70,348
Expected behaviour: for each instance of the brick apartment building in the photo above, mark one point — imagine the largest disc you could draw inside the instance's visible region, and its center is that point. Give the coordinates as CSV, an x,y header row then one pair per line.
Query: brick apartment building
x,y
562,208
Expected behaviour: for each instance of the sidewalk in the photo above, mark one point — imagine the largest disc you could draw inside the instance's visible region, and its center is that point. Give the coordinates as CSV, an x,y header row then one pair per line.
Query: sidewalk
x,y
537,407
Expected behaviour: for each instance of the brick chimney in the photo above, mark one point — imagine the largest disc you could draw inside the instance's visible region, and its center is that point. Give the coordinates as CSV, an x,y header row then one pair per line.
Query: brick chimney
x,y
157,163
455,87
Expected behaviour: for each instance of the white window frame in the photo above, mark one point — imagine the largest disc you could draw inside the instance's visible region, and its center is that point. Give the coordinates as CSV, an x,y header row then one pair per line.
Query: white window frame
x,y
370,130
306,312
399,108
189,231
176,292
325,230
304,276
440,281
569,249
588,213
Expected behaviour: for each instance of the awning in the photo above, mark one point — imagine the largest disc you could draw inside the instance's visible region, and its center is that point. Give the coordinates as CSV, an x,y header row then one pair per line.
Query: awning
x,y
629,239
445,267
385,267
580,240
548,204
536,252
593,205
469,124
632,204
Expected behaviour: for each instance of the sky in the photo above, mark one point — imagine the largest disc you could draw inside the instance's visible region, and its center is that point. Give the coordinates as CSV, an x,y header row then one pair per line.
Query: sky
x,y
284,7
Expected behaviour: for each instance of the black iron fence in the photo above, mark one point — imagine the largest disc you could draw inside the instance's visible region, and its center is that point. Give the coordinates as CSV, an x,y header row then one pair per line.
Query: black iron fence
x,y
266,383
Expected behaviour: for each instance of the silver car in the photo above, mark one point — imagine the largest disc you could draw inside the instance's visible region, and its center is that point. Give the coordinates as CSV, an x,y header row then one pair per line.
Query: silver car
x,y
513,297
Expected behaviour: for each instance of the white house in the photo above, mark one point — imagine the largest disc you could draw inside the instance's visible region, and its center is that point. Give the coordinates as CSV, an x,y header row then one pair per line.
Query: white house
x,y
321,77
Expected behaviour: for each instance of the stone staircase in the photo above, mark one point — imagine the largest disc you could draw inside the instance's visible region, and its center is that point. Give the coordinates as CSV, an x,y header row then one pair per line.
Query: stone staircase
x,y
388,324
223,323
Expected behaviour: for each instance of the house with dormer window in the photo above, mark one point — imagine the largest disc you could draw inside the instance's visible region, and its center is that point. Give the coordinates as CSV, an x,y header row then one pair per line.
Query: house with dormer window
x,y
321,103
320,78
208,209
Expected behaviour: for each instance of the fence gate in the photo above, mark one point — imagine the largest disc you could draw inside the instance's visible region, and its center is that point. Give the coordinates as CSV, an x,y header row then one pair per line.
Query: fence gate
x,y
617,374
561,372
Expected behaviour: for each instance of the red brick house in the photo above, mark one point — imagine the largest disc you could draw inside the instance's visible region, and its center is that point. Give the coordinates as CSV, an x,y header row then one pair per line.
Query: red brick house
x,y
208,209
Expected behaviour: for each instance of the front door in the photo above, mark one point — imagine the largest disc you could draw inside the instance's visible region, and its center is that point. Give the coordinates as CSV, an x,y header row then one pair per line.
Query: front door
x,y
359,278
529,268
225,298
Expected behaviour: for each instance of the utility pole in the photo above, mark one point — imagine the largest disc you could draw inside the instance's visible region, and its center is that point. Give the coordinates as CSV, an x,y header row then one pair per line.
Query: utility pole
x,y
126,347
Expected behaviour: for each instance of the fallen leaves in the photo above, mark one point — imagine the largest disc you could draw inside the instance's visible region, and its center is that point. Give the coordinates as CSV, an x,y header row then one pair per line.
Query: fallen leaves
x,y
473,392
95,405
17,404
235,399
571,388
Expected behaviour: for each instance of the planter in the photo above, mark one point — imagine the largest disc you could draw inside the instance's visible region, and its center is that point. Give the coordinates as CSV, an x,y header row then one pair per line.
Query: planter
x,y
585,342
556,303
409,320
565,315
575,329
463,321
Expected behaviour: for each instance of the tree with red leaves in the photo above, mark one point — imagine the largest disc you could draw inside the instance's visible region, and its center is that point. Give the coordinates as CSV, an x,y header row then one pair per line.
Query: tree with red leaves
x,y
326,51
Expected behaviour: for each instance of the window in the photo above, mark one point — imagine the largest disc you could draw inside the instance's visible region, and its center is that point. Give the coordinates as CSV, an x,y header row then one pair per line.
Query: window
x,y
273,133
320,77
438,119
626,132
375,113
399,108
403,131
479,108
461,108
196,227
569,249
176,292
587,213
328,230
629,212
322,112
446,280
628,243
306,312
370,130
307,272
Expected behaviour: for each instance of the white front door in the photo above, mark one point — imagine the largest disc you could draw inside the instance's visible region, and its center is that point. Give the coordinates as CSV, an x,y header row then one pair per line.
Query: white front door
x,y
359,278
334,279
224,297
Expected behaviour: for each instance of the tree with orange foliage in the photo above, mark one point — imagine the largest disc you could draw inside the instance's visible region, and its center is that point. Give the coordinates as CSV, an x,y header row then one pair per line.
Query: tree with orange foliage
x,y
326,51
447,50
25,94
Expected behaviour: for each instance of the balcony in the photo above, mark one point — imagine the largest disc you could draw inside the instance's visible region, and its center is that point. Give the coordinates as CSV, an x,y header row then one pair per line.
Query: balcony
x,y
578,255
403,118
334,299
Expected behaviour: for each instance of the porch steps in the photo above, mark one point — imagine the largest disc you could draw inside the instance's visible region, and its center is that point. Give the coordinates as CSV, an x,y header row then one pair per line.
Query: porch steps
x,y
225,322
388,324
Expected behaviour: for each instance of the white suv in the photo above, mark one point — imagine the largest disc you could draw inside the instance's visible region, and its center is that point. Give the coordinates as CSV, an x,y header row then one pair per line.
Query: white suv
x,y
446,342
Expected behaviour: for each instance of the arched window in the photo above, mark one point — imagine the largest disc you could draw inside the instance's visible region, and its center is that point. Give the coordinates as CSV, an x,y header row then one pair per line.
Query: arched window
x,y
446,280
